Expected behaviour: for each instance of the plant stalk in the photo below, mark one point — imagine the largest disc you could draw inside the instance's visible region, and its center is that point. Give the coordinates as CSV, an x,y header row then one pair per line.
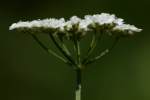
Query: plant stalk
x,y
78,84
48,50
62,50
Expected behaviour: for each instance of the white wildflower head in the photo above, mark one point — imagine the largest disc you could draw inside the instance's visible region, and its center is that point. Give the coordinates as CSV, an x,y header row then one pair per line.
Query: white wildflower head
x,y
126,29
75,20
50,24
84,25
102,22
103,18
118,21
20,25
72,23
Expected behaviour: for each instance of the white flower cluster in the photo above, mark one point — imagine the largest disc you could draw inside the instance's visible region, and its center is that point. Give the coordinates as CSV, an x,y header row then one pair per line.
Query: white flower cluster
x,y
126,27
51,23
101,21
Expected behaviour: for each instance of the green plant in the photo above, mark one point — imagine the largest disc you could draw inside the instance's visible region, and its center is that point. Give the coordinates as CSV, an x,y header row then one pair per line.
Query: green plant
x,y
74,30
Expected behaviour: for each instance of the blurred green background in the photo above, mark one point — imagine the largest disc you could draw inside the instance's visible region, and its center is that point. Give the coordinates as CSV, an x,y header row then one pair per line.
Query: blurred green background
x,y
28,73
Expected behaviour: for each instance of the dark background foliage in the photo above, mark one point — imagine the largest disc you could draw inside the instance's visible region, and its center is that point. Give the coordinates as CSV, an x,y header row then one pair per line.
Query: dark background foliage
x,y
28,73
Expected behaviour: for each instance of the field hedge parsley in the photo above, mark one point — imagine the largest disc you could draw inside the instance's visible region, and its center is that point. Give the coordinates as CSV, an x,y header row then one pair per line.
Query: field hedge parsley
x,y
73,30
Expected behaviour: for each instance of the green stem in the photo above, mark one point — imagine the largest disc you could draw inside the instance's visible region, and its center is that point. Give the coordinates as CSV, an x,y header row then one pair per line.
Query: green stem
x,y
78,52
62,50
78,80
106,51
64,46
78,93
93,44
49,50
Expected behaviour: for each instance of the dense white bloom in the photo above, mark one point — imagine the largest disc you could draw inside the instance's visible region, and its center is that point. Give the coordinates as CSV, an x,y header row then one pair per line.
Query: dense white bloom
x,y
119,21
83,25
77,24
20,25
126,27
101,19
52,23
74,20
104,18
46,23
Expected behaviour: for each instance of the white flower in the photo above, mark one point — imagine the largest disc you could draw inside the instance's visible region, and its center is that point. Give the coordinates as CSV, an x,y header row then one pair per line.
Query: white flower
x,y
88,17
74,20
102,19
119,21
51,23
35,23
77,25
126,27
83,25
20,25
